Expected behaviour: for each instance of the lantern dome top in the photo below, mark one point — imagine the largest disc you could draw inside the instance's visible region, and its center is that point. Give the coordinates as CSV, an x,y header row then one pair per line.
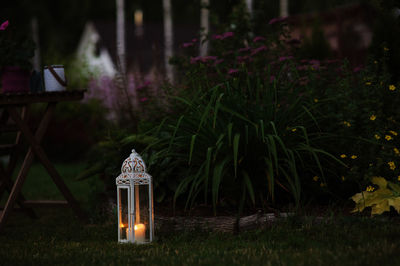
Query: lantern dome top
x,y
133,168
133,164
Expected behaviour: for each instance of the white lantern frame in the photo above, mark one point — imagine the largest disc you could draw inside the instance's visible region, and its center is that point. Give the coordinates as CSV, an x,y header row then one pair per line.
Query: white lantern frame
x,y
134,178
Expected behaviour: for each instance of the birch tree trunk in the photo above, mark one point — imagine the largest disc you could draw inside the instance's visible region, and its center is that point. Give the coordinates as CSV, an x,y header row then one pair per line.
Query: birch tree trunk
x,y
204,26
121,36
168,39
284,8
35,36
249,4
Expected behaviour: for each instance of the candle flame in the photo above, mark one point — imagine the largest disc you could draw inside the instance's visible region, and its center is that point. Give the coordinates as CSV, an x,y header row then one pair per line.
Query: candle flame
x,y
139,227
121,225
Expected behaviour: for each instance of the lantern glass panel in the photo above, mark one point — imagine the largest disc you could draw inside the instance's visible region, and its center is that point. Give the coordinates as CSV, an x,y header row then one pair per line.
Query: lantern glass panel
x,y
142,213
123,209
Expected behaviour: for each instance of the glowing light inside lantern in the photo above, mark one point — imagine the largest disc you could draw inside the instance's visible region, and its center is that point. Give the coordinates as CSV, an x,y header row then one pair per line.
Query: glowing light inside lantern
x,y
140,230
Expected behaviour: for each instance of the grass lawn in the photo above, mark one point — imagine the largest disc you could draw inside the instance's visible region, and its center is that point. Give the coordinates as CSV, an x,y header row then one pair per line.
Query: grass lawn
x,y
56,237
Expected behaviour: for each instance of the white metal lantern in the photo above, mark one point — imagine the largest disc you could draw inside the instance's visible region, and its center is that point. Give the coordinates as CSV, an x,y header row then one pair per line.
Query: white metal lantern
x,y
135,202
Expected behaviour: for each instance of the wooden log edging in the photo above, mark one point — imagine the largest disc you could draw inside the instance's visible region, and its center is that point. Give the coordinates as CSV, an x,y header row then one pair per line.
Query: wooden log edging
x,y
227,224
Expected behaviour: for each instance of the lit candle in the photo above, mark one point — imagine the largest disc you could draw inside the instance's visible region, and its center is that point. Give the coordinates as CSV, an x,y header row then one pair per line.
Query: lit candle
x,y
140,233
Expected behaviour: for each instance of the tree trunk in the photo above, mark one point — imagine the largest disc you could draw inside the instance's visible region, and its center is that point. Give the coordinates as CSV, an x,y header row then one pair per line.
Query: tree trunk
x,y
121,37
204,26
284,8
168,39
249,4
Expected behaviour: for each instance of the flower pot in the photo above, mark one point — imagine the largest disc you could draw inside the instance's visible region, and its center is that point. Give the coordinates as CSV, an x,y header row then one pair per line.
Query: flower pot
x,y
15,79
54,78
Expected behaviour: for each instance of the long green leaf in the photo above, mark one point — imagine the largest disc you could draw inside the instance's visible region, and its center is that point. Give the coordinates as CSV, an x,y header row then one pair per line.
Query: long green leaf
x,y
236,139
249,186
191,148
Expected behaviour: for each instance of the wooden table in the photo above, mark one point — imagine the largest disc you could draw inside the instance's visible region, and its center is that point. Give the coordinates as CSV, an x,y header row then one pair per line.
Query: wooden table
x,y
14,118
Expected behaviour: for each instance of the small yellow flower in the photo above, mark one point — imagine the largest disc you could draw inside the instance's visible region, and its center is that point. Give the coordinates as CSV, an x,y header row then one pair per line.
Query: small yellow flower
x,y
347,124
385,49
368,83
343,178
394,133
353,157
316,100
392,165
370,189
388,137
398,178
392,87
343,156
377,136
322,185
294,129
315,178
372,117
396,151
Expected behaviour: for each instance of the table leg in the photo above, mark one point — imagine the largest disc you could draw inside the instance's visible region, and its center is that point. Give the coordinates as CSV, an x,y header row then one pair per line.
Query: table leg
x,y
41,155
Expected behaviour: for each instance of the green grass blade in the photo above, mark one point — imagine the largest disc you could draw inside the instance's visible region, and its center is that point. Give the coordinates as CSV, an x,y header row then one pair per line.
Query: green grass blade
x,y
249,186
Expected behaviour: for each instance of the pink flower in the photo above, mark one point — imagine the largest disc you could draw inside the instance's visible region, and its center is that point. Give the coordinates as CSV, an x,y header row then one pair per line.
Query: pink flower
x,y
271,78
227,34
258,38
144,99
277,20
357,69
245,49
284,58
4,25
217,62
194,40
217,37
223,36
145,84
187,44
232,71
259,49
194,60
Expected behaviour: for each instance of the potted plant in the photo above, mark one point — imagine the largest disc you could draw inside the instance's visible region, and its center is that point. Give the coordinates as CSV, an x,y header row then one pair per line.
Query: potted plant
x,y
16,52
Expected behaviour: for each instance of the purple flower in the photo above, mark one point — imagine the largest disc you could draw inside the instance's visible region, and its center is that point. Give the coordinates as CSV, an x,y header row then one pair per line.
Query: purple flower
x,y
144,99
232,71
187,44
194,60
217,37
4,25
271,78
209,57
194,40
217,62
227,34
284,58
223,36
241,59
145,84
259,49
302,67
258,38
244,49
277,20
357,69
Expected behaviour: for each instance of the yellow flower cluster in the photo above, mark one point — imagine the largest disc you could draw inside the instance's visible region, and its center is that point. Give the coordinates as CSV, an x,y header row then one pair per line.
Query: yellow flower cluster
x,y
353,157
377,136
372,117
392,87
396,151
343,156
398,178
392,165
368,83
315,178
370,189
394,133
322,185
315,100
388,137
347,124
